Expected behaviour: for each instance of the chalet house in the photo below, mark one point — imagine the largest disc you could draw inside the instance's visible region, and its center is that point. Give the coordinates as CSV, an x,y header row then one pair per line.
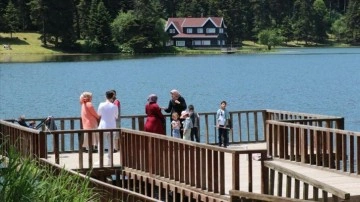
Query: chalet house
x,y
196,32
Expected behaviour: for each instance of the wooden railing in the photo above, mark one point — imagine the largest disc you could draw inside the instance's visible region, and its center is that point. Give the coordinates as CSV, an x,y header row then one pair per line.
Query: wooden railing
x,y
107,192
193,164
306,119
326,147
27,142
297,178
248,127
188,167
242,196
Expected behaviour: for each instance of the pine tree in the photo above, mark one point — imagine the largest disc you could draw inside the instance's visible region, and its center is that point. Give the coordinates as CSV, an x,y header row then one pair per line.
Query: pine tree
x,y
320,23
352,19
103,30
82,18
11,17
303,20
92,21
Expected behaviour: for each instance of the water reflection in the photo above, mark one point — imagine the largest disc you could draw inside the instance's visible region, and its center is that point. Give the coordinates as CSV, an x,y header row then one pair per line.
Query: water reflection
x,y
28,58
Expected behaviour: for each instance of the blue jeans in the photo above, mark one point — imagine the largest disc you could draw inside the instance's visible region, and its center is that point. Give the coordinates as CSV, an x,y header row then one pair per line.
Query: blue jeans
x,y
176,133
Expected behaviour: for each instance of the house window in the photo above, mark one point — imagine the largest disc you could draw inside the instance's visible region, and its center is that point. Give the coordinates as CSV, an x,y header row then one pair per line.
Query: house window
x,y
223,42
206,42
180,43
172,31
200,30
219,42
210,30
221,30
189,30
197,43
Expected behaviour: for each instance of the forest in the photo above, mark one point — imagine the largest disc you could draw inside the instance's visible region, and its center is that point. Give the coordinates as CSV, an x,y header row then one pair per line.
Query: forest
x,y
98,26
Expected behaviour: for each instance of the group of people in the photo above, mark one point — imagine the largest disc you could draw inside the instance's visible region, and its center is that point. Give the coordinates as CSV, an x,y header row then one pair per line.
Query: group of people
x,y
184,120
106,117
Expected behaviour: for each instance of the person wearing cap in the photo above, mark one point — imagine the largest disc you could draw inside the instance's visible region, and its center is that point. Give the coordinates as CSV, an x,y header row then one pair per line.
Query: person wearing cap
x,y
177,104
155,119
187,125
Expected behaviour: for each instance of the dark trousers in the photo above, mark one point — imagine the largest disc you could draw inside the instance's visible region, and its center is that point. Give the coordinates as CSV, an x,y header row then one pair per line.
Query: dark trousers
x,y
194,134
223,137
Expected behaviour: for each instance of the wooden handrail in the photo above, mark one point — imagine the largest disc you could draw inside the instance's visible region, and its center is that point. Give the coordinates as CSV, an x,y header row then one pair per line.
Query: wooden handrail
x,y
326,147
315,183
238,195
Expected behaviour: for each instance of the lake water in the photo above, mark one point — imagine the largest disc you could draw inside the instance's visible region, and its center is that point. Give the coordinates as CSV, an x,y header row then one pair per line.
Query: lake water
x,y
320,81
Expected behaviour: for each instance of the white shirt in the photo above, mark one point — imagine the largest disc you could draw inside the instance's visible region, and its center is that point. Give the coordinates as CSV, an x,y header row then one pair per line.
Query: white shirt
x,y
108,112
221,119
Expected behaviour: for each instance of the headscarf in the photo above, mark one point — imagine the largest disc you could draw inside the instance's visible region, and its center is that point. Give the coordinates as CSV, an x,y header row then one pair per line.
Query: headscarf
x,y
85,97
152,98
175,92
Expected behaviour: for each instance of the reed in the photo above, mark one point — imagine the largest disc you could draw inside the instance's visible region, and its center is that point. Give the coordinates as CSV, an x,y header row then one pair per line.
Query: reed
x,y
22,179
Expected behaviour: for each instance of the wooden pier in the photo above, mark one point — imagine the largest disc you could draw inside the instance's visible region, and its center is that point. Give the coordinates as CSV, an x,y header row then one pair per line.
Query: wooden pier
x,y
274,156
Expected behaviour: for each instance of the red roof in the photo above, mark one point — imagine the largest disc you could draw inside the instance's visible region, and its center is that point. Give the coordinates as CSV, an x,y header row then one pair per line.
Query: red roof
x,y
179,23
194,36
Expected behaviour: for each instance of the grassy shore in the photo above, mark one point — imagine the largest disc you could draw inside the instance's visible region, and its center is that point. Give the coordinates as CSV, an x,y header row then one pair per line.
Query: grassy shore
x,y
25,43
27,47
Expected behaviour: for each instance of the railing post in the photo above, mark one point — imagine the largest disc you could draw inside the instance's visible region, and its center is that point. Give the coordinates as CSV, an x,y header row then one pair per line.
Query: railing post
x,y
264,175
235,171
42,145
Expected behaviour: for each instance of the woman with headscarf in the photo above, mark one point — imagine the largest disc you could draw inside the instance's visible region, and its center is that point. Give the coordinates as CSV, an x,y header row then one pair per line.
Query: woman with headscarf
x,y
89,118
176,104
155,119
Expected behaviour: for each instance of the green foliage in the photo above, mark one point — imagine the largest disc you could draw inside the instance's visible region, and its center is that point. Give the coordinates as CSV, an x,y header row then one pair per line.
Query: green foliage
x,y
302,20
141,30
62,22
11,19
270,38
98,36
81,20
352,19
321,24
339,29
23,180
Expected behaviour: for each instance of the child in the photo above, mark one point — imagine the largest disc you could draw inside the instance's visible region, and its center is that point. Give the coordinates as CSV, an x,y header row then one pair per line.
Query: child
x,y
194,116
175,125
187,125
223,124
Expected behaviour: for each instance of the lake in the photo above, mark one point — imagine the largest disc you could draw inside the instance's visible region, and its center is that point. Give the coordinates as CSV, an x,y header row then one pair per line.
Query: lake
x,y
310,80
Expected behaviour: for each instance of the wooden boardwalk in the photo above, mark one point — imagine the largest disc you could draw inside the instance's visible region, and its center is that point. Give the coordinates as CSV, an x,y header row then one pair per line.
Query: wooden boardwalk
x,y
346,183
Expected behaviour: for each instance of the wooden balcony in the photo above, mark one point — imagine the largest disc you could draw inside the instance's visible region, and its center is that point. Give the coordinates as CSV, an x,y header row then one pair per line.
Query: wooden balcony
x,y
171,169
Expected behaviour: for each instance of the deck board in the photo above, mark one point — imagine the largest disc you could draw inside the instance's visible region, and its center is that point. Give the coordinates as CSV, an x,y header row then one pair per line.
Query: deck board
x,y
350,184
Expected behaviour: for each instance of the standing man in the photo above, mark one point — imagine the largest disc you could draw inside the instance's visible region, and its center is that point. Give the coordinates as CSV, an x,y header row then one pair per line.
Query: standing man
x,y
176,104
108,113
118,123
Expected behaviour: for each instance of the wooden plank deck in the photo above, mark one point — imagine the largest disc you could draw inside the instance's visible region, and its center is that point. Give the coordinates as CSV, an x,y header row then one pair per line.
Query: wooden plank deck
x,y
350,184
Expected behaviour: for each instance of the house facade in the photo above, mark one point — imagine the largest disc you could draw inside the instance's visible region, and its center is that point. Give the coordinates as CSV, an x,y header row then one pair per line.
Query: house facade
x,y
196,32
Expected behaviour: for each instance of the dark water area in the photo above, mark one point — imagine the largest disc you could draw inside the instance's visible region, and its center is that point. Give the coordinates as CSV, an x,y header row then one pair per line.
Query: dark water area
x,y
319,81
